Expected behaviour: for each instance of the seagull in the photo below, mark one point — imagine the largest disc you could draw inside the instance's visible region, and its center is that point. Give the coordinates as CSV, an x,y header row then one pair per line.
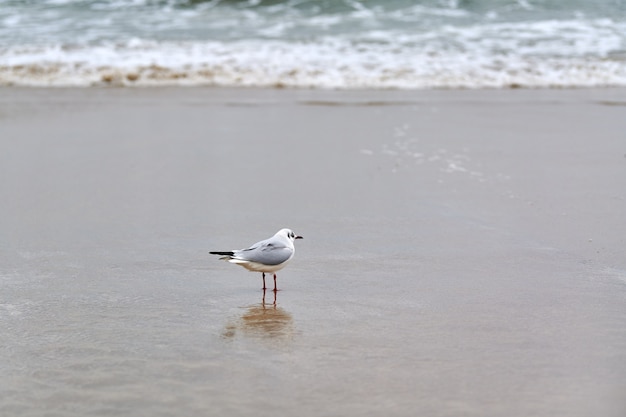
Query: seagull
x,y
266,256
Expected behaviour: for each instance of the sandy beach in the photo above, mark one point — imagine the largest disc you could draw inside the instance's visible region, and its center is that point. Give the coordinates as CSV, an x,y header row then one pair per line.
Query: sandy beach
x,y
463,252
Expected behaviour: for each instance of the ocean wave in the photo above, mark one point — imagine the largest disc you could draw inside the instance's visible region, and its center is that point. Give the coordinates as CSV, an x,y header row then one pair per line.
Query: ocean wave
x,y
546,53
310,66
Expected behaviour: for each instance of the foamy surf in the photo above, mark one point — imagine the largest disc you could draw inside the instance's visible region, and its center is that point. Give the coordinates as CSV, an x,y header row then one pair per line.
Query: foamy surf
x,y
281,64
302,45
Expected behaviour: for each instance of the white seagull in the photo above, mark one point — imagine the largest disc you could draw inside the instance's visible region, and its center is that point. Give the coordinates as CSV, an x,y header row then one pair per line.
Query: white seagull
x,y
266,256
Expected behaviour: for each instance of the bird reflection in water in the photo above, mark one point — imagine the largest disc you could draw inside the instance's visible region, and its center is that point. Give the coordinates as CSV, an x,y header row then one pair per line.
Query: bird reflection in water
x,y
265,321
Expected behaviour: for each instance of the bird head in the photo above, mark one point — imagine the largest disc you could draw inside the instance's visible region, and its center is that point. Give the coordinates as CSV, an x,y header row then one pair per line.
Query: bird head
x,y
289,234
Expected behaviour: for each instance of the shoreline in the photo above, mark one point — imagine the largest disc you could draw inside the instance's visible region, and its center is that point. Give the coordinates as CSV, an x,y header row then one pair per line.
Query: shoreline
x,y
462,251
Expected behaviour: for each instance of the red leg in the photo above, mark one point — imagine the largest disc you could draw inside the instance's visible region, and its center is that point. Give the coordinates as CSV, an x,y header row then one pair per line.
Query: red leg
x,y
275,289
263,280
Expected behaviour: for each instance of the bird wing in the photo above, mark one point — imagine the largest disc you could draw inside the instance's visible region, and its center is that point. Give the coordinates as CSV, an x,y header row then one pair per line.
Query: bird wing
x,y
266,252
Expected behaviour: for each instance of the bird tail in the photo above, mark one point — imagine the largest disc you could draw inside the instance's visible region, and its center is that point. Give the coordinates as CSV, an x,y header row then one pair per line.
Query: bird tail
x,y
229,253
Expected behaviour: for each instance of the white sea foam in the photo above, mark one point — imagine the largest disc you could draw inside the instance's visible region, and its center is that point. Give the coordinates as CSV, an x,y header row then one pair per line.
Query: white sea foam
x,y
331,65
357,49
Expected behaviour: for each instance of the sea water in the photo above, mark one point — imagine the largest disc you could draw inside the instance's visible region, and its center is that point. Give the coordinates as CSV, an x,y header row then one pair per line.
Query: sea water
x,y
314,44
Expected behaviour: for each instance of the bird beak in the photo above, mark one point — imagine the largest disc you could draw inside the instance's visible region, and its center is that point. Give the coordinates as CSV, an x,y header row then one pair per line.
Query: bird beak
x,y
298,237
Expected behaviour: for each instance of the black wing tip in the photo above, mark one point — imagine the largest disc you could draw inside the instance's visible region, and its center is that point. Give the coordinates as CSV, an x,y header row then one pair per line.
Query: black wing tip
x,y
222,253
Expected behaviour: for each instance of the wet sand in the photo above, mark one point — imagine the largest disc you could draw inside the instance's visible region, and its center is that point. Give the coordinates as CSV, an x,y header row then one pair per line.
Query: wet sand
x,y
463,252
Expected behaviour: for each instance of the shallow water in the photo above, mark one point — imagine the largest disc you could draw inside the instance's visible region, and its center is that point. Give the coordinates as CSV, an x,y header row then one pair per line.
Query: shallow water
x,y
440,272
